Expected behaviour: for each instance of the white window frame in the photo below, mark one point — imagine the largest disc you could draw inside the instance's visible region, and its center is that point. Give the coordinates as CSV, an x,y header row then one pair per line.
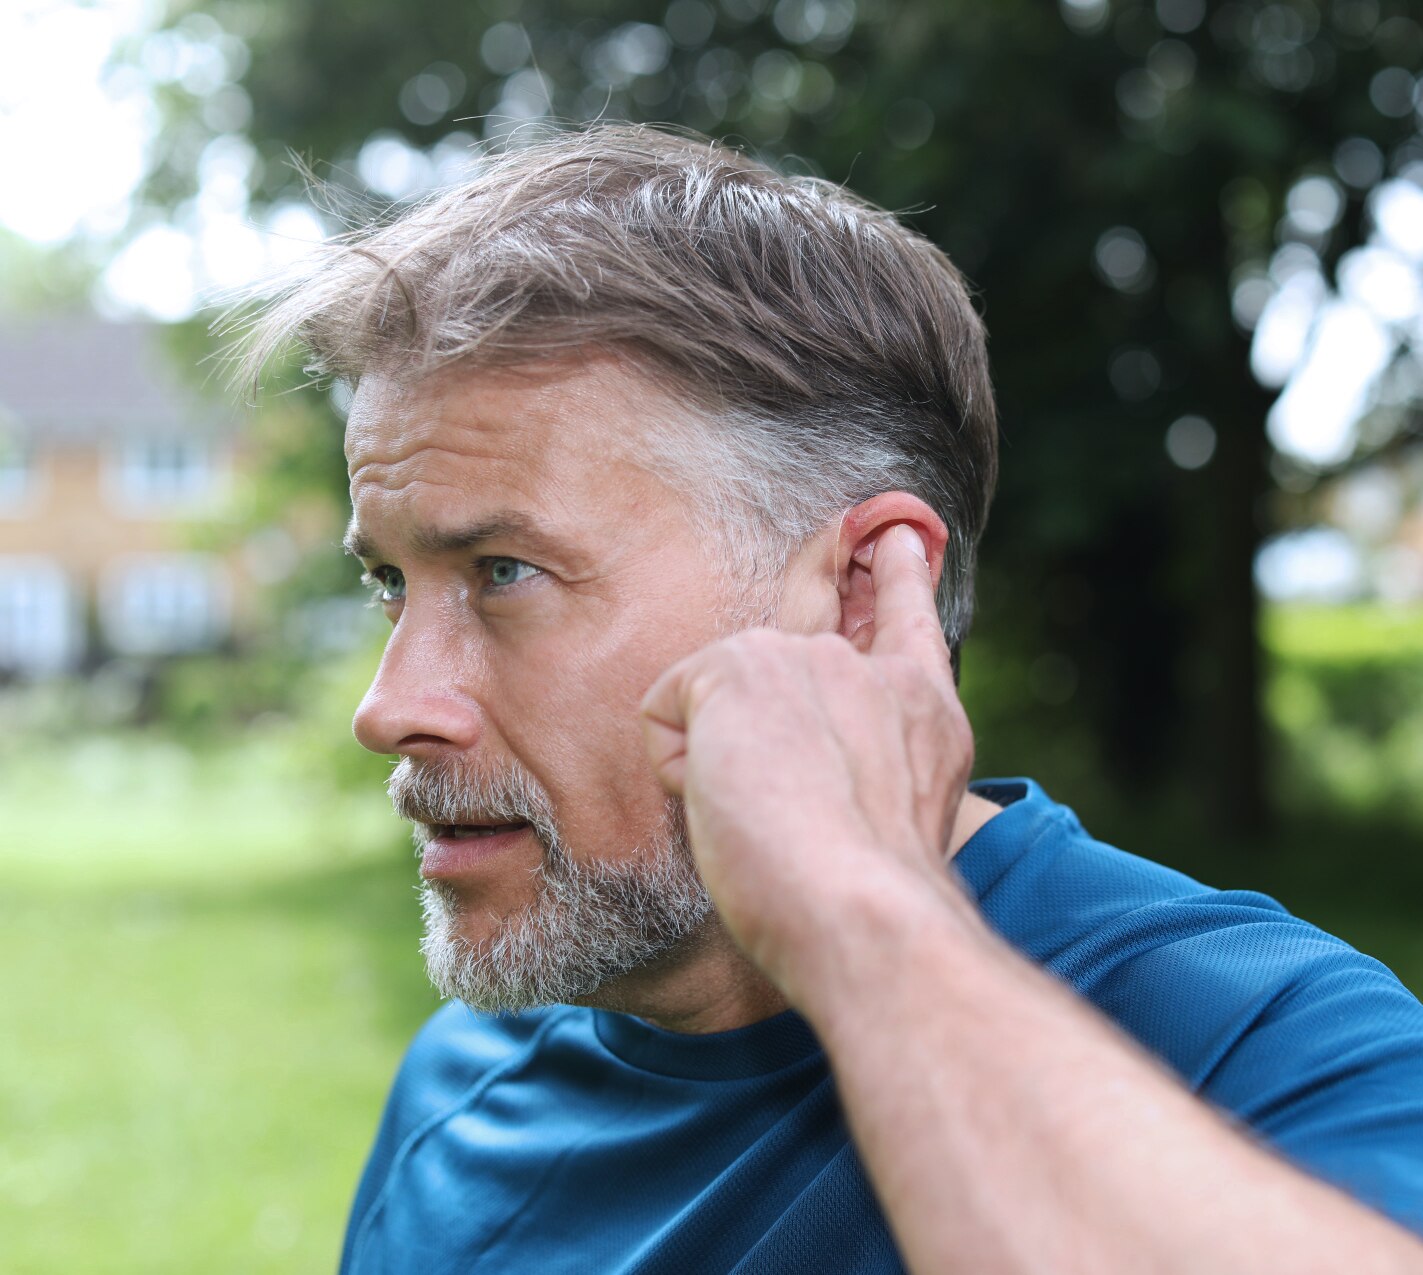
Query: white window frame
x,y
139,481
19,476
41,620
165,603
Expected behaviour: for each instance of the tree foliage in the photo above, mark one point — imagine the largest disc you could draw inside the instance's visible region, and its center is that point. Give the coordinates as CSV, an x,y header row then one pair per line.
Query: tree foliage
x,y
1115,177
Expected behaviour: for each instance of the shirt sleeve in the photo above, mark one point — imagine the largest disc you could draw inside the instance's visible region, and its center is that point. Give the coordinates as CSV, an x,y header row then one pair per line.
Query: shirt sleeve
x,y
1347,1103
1314,1047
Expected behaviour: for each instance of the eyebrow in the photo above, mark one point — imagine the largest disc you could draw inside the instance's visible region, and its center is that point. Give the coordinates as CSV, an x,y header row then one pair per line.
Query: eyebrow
x,y
436,541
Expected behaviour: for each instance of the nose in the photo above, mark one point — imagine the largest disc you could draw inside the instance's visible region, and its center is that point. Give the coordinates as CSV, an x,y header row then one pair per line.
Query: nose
x,y
419,700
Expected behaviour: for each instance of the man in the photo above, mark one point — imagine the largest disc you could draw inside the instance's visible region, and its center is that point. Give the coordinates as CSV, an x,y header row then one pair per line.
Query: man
x,y
657,461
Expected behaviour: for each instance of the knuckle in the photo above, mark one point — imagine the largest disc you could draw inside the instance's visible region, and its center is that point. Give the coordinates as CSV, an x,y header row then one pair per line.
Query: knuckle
x,y
751,645
907,675
703,681
924,624
748,656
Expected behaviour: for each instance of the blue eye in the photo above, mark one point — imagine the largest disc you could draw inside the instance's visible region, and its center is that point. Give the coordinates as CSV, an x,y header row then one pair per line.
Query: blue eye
x,y
507,571
387,585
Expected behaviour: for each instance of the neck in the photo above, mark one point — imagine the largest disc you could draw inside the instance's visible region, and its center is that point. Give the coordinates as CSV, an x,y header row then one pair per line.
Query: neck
x,y
709,985
706,985
974,812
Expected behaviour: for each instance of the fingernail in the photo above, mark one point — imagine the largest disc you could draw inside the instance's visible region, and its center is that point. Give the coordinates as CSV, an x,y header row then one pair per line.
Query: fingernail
x,y
911,538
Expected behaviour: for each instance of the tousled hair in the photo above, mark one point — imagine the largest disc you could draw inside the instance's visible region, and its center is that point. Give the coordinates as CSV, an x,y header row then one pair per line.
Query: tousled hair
x,y
824,351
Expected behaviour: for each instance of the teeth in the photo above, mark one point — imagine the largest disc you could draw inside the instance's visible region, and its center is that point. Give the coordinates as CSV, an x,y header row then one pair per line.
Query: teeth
x,y
478,830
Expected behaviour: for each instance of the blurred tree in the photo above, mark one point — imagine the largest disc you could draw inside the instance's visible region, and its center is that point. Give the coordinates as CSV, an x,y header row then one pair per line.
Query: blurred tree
x,y
34,278
1115,177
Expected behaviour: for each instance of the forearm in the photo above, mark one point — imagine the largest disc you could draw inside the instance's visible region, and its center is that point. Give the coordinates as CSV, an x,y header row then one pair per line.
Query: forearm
x,y
1009,1127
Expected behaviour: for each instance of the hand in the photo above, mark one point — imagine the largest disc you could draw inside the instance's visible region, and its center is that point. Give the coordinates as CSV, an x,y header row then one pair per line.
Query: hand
x,y
813,773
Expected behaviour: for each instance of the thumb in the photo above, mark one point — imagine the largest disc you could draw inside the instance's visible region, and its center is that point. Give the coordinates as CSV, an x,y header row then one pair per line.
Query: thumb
x,y
662,715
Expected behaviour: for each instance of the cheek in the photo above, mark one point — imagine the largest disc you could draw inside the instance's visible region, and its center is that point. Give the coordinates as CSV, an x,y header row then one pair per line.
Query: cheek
x,y
570,715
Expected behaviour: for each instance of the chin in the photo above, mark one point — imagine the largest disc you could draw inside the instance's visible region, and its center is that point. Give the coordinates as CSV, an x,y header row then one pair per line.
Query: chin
x,y
583,939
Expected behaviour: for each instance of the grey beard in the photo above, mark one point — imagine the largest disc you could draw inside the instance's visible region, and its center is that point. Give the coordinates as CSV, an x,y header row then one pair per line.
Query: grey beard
x,y
587,925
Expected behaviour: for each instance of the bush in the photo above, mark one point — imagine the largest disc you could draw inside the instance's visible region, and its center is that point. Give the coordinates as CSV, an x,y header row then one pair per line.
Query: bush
x,y
1345,698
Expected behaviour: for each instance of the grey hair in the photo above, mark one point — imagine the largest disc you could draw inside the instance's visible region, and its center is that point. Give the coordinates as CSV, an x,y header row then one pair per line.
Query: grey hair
x,y
828,352
587,924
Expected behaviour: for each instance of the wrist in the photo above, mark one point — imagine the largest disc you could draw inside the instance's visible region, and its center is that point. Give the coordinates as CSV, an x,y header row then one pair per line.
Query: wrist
x,y
870,944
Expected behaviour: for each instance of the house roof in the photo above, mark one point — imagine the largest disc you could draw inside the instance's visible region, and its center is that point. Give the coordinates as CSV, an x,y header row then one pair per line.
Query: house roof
x,y
77,378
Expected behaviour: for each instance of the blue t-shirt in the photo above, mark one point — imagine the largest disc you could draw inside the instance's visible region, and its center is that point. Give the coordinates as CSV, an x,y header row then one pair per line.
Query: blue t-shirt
x,y
577,1140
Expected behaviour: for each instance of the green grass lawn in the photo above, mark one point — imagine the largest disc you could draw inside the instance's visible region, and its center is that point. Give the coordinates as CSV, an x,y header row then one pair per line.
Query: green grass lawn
x,y
211,978
212,965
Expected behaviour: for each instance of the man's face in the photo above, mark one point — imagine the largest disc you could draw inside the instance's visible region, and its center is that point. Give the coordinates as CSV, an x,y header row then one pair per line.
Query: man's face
x,y
538,580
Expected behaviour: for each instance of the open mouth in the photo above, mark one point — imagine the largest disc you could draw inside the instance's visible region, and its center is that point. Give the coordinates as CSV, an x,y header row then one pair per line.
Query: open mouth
x,y
458,851
461,831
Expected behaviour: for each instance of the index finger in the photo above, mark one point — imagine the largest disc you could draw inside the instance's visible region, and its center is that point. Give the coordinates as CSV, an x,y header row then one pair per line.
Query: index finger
x,y
906,618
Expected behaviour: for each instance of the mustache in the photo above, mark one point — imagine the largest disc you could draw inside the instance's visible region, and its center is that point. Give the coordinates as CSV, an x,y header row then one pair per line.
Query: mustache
x,y
454,790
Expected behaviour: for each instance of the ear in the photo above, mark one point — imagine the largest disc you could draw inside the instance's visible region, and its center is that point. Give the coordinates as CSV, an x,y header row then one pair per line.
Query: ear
x,y
860,530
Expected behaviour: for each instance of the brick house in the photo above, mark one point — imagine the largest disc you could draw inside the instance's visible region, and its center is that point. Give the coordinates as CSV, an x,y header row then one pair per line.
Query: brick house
x,y
109,463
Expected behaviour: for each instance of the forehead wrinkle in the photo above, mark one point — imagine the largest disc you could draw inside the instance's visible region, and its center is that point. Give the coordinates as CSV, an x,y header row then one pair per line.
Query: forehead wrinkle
x,y
405,457
398,445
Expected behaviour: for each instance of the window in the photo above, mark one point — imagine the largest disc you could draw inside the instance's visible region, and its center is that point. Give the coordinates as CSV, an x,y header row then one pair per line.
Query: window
x,y
161,604
40,629
156,472
16,472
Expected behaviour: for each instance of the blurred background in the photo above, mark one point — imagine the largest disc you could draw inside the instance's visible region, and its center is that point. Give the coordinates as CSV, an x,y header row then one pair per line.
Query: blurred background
x,y
1196,232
